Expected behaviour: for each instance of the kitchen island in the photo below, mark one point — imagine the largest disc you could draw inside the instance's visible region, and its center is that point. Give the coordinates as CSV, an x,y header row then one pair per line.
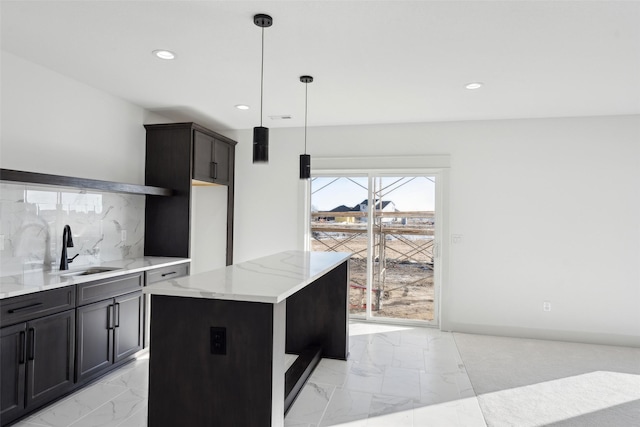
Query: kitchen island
x,y
218,338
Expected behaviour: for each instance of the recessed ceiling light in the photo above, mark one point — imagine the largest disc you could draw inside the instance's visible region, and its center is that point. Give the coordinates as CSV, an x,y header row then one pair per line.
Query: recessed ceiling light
x,y
164,54
242,107
474,85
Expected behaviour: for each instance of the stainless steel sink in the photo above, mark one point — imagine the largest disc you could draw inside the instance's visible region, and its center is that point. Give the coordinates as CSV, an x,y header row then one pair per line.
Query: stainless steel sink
x,y
88,271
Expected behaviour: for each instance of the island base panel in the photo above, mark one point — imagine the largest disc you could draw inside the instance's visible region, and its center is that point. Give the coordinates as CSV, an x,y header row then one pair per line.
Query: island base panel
x,y
318,315
188,385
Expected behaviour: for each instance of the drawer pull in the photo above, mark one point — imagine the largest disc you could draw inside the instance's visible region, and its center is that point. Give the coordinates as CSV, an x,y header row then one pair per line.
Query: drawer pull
x,y
169,274
25,308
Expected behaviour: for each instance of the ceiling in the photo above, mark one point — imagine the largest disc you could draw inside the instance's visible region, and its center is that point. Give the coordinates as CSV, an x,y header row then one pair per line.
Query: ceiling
x,y
372,61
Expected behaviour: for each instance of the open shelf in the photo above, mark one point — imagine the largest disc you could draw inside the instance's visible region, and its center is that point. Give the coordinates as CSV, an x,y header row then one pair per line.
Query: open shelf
x,y
92,184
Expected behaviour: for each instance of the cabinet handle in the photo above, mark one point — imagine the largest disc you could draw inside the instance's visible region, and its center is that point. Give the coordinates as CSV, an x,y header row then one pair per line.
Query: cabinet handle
x,y
32,343
117,325
213,170
110,317
25,308
23,348
169,274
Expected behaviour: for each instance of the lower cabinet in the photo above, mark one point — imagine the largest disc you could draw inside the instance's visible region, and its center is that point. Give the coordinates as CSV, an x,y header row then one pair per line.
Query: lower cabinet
x,y
54,341
37,360
13,379
109,331
154,276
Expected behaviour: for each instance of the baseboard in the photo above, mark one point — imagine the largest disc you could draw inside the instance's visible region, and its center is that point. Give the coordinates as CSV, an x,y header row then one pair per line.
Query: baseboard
x,y
546,334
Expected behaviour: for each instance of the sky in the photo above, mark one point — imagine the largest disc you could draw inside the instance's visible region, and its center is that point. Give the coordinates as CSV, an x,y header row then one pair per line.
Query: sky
x,y
407,193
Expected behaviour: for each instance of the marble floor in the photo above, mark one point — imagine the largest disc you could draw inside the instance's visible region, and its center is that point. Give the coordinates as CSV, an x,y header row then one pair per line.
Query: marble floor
x,y
396,376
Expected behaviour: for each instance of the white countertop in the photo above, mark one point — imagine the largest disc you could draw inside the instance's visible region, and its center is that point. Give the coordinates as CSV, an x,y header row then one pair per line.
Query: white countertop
x,y
270,279
36,281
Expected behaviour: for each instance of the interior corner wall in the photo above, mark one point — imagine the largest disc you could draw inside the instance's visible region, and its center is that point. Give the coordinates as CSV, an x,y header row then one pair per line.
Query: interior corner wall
x,y
54,124
267,201
548,210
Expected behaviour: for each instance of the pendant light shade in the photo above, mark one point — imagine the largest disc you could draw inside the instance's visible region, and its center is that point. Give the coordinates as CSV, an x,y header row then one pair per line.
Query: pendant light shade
x,y
260,133
305,166
305,159
260,144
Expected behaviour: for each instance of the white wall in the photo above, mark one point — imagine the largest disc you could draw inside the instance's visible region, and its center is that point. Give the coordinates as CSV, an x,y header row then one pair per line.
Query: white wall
x,y
57,125
549,210
267,205
208,241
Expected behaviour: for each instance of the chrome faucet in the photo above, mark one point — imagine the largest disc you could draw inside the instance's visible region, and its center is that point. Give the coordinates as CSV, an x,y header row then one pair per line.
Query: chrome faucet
x,y
67,242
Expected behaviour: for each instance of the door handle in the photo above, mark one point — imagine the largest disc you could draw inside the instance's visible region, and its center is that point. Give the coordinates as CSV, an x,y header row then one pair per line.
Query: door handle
x,y
213,170
32,343
23,348
169,274
117,322
110,317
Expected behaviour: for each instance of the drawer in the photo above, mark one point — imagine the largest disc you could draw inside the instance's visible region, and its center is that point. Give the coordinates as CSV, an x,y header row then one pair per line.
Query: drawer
x,y
166,273
38,304
107,288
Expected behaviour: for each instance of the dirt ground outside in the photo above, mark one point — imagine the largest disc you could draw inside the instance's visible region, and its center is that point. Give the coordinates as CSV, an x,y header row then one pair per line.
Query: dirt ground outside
x,y
404,290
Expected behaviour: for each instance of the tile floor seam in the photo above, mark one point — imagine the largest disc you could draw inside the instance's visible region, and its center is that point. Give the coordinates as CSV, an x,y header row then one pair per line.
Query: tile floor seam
x,y
131,416
327,405
473,387
126,389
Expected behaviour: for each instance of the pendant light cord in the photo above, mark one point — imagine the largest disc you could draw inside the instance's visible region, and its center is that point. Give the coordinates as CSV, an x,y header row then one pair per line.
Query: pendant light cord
x,y
261,77
306,88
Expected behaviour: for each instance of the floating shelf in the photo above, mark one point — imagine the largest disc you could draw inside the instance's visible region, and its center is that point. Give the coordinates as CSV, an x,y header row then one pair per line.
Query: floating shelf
x,y
92,184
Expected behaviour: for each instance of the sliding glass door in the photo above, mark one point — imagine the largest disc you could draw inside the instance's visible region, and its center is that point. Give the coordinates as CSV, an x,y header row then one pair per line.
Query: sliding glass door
x,y
388,223
339,225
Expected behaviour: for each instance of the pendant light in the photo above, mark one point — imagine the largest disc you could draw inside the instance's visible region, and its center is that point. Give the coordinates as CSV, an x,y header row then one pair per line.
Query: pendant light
x,y
305,159
260,133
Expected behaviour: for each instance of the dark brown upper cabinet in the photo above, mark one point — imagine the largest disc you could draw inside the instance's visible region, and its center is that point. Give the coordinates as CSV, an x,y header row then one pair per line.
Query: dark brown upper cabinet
x,y
211,159
179,156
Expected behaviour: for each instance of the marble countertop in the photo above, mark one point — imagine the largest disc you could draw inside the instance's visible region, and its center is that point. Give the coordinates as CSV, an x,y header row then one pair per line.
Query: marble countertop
x,y
36,281
270,279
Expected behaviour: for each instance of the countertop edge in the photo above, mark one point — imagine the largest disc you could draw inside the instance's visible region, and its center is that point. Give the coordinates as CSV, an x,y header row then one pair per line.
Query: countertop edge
x,y
70,281
181,287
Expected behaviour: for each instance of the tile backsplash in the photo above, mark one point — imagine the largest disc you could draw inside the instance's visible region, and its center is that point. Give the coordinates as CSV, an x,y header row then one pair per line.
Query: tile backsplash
x,y
105,226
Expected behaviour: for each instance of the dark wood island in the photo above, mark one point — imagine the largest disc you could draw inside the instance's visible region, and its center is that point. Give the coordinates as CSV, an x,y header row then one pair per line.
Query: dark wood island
x,y
219,338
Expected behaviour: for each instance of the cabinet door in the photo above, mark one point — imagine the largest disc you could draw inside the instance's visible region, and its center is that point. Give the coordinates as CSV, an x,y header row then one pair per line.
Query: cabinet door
x,y
203,166
128,325
222,160
12,371
50,357
95,339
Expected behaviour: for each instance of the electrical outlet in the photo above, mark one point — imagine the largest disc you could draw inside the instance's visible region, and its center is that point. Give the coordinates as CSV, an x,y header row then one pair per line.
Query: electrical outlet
x,y
218,340
546,306
456,239
123,236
